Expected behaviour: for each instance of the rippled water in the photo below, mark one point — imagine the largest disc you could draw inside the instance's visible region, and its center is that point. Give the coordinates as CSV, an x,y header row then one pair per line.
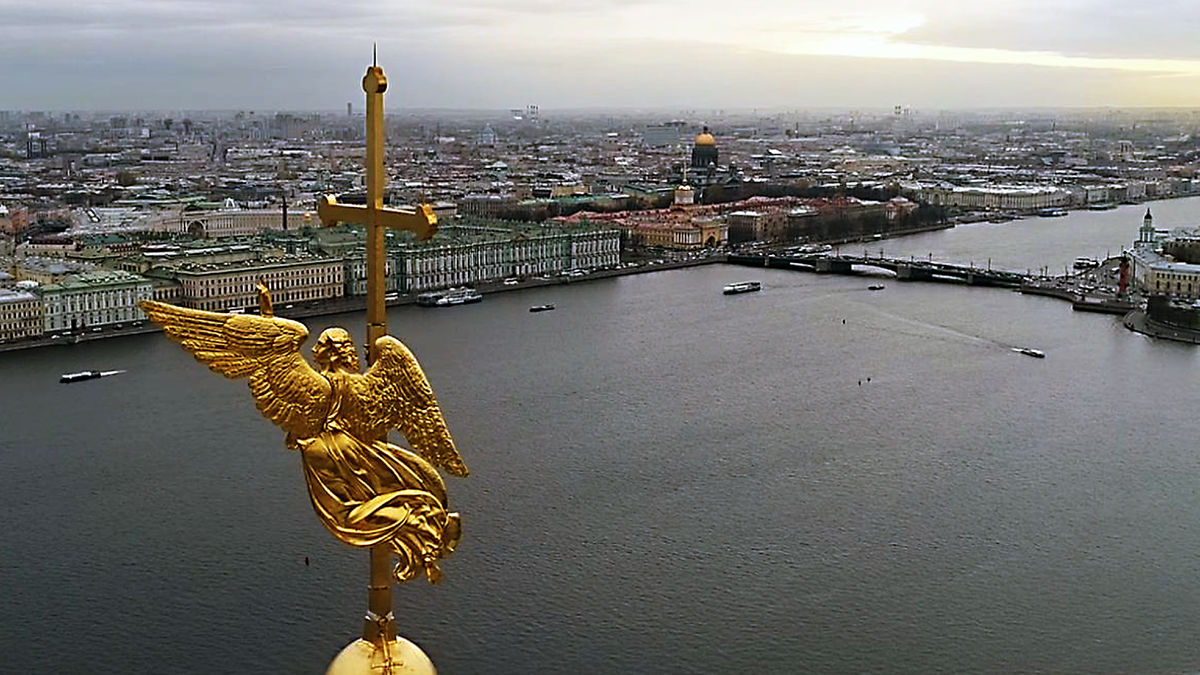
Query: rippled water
x,y
812,478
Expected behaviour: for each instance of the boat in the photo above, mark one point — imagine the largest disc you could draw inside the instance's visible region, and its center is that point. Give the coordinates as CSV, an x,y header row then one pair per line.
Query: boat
x,y
1030,352
1102,206
542,308
68,378
1083,263
449,297
876,287
742,287
1052,213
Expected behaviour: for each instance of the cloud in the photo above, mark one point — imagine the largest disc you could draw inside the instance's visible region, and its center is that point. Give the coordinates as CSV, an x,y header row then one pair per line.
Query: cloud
x,y
1163,29
223,54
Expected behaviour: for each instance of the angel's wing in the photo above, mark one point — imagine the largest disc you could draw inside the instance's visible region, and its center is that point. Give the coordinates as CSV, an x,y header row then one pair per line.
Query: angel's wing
x,y
266,350
394,394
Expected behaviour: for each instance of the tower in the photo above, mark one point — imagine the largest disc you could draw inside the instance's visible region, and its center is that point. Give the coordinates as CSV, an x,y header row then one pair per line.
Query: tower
x,y
1146,231
684,194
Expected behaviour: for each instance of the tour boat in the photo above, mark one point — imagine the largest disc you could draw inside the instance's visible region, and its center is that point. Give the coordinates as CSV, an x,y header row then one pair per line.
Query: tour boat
x,y
743,287
1030,352
68,378
449,298
542,308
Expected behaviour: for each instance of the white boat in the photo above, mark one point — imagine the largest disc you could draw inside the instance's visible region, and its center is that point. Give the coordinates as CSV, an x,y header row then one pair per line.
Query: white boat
x,y
68,378
449,298
1030,352
1084,263
742,287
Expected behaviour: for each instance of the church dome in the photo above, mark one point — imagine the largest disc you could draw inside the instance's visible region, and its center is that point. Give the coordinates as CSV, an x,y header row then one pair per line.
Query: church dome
x,y
705,138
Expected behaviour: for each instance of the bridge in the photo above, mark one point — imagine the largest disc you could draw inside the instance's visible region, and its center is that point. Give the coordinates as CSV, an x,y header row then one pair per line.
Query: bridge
x,y
905,270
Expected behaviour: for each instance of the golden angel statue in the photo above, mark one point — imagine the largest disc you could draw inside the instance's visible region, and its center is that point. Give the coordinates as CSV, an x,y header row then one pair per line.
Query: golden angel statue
x,y
364,489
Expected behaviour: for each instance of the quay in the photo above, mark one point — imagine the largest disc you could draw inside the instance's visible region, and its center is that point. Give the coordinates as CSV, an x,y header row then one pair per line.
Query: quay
x,y
358,303
1062,288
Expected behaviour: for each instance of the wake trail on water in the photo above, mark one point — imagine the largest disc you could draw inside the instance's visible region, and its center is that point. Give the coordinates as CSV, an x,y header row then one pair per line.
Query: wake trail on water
x,y
942,332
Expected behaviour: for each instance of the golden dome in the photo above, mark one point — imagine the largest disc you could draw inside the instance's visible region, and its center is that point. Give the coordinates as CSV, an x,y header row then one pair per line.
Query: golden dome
x,y
705,138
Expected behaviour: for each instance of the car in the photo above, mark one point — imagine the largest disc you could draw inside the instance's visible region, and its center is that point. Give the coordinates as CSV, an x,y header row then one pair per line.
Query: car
x,y
511,282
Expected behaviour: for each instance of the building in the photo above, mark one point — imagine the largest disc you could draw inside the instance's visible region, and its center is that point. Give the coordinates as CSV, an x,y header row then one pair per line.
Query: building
x,y
46,271
223,287
487,205
94,299
1165,264
766,225
999,197
704,154
472,251
21,314
662,135
229,222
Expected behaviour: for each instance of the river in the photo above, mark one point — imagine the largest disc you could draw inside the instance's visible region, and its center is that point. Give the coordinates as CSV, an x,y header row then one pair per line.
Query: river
x,y
812,478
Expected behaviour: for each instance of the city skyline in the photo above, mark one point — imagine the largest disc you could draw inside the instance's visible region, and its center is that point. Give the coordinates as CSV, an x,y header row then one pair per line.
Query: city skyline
x,y
482,54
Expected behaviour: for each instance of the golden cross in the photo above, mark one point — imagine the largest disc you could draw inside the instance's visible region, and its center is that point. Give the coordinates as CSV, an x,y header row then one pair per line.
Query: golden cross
x,y
374,214
379,627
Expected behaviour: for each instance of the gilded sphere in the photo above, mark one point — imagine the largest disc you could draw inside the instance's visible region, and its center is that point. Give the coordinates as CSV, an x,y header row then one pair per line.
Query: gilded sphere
x,y
364,658
705,138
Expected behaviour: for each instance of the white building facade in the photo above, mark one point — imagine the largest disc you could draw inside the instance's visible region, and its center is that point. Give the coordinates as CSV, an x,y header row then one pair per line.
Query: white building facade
x,y
472,254
95,299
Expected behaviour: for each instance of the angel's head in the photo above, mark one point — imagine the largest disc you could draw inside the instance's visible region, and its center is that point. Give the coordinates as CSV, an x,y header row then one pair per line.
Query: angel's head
x,y
335,351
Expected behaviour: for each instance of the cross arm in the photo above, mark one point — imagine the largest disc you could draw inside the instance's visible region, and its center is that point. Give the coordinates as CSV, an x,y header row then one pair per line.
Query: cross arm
x,y
422,221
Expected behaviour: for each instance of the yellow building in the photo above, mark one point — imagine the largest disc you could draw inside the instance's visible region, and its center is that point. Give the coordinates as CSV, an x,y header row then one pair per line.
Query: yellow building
x,y
233,286
1160,263
227,222
21,315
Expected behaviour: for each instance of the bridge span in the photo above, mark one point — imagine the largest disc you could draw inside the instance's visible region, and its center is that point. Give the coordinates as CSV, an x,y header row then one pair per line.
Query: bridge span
x,y
905,270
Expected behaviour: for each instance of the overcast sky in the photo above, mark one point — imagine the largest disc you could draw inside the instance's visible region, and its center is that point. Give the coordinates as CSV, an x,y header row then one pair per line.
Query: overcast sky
x,y
678,54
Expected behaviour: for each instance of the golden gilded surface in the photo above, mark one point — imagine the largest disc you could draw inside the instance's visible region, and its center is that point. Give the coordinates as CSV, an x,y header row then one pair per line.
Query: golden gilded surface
x,y
395,657
365,490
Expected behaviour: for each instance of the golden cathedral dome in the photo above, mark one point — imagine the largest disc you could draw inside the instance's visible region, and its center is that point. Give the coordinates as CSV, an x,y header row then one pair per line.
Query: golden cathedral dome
x,y
705,138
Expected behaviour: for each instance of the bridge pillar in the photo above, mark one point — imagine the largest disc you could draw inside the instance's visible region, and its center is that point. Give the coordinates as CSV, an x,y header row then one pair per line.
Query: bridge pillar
x,y
832,265
908,272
